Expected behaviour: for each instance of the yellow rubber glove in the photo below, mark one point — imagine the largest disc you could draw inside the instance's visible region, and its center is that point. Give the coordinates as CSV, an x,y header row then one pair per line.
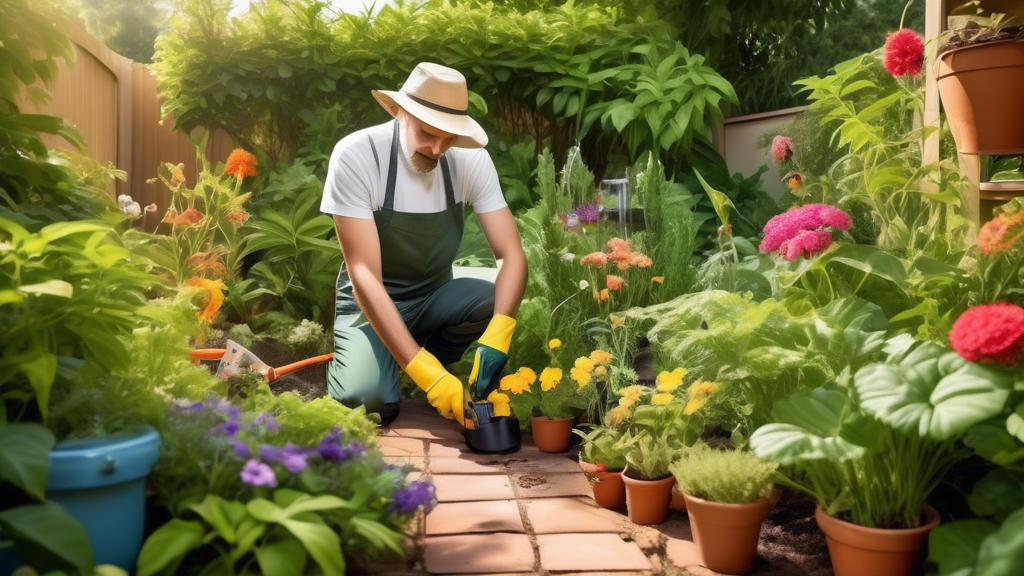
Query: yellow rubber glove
x,y
444,391
491,354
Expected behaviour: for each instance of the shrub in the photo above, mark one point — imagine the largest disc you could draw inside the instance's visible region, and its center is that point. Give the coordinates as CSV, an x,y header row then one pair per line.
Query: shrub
x,y
724,476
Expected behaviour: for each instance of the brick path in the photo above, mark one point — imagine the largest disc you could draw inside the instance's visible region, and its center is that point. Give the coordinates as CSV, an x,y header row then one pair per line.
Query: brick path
x,y
527,512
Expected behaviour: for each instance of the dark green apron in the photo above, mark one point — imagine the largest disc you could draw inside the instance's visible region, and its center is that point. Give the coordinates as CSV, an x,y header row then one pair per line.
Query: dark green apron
x,y
416,254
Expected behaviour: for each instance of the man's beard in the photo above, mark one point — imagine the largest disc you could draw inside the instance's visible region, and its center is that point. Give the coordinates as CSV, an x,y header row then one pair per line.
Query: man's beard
x,y
417,160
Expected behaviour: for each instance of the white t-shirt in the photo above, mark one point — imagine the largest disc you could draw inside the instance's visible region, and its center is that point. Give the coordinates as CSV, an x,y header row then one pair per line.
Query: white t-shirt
x,y
355,186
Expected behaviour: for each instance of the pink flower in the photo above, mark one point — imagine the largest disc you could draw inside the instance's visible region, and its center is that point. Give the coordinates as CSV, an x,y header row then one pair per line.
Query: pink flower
x,y
618,245
806,243
788,225
782,149
596,259
989,333
904,53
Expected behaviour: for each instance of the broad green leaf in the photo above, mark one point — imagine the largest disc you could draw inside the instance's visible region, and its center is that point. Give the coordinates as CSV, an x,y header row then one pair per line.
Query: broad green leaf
x,y
1015,422
249,532
998,494
322,544
870,260
992,442
808,427
212,510
264,510
25,456
378,534
855,86
954,547
168,545
1001,552
47,537
283,557
50,287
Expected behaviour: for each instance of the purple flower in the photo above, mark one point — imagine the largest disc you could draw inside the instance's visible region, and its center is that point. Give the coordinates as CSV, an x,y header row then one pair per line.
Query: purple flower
x,y
587,213
241,449
257,473
278,454
414,495
335,452
229,429
267,420
294,462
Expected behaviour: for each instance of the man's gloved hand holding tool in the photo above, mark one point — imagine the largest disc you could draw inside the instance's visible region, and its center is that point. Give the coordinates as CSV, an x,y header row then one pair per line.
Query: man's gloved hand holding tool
x,y
489,433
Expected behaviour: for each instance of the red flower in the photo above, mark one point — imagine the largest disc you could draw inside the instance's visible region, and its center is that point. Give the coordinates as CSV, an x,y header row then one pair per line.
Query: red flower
x,y
904,53
240,164
989,333
188,217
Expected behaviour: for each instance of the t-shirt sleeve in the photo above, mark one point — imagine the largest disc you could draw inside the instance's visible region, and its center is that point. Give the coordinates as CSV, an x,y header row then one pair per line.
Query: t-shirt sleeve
x,y
347,189
481,183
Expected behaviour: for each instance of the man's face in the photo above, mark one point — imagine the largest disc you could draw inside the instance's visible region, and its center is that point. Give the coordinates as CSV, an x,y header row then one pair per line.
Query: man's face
x,y
422,144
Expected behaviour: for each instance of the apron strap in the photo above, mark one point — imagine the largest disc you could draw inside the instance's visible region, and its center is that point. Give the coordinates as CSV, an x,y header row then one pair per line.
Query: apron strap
x,y
389,192
449,190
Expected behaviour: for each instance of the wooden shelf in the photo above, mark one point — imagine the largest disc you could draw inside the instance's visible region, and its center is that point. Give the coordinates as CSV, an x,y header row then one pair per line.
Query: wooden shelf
x,y
1003,191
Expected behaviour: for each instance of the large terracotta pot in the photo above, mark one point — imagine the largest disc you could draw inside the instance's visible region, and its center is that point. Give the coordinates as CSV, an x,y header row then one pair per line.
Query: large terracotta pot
x,y
551,434
678,502
609,490
856,550
981,87
727,534
647,500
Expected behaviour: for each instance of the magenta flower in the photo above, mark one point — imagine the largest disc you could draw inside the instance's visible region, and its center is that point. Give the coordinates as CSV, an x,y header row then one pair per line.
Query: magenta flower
x,y
782,149
257,473
789,225
806,243
587,213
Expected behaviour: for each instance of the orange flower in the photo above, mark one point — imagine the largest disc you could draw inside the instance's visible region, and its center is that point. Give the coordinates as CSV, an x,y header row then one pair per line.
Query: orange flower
x,y
601,296
623,265
994,235
238,216
620,256
240,164
615,320
207,261
658,280
615,283
618,245
595,259
640,260
177,174
214,292
189,217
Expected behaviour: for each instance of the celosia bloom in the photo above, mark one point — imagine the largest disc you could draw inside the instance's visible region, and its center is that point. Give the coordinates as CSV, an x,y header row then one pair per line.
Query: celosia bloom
x,y
241,164
500,402
515,384
550,378
615,283
596,259
587,214
701,388
214,294
806,243
788,225
618,245
623,264
782,149
661,399
617,416
189,217
904,53
695,404
554,343
994,237
415,495
600,357
529,375
256,473
989,333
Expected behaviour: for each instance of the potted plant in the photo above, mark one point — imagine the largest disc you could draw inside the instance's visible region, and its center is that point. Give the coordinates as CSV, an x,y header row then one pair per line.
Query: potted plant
x,y
872,463
602,462
980,71
647,477
728,496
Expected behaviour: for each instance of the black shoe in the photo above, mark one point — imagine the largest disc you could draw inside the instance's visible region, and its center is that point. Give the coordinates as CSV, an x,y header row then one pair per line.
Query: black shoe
x,y
389,413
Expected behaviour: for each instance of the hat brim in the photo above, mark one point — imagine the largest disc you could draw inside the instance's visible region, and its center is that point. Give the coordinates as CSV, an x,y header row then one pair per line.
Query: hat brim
x,y
468,133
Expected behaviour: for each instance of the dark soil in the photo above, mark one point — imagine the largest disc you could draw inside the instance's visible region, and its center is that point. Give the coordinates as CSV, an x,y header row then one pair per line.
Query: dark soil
x,y
309,383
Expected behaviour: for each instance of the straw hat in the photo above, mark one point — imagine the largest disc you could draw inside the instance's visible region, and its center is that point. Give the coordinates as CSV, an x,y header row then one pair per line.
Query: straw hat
x,y
437,95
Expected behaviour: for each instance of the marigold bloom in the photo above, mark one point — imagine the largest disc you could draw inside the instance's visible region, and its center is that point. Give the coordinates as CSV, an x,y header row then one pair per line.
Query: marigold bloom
x,y
554,343
628,401
668,381
599,356
514,383
701,388
241,164
550,378
633,391
795,181
214,294
994,236
695,404
615,283
584,363
661,399
581,376
600,371
596,259
658,280
189,217
617,416
640,260
238,216
904,53
782,149
616,321
500,402
529,375
989,333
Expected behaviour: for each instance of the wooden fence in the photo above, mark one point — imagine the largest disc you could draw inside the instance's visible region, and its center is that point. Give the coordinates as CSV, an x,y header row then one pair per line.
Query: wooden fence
x,y
113,103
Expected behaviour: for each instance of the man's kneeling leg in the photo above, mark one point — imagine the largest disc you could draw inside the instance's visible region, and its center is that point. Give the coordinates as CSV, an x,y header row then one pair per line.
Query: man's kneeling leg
x,y
363,373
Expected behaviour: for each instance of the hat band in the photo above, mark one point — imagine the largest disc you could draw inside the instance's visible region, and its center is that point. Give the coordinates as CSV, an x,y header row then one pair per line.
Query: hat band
x,y
437,107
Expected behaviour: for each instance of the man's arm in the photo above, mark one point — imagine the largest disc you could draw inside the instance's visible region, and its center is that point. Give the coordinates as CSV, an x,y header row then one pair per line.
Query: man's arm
x,y
361,248
502,234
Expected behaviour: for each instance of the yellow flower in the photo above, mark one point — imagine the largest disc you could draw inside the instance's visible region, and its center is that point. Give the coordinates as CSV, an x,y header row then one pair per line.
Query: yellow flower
x,y
581,376
515,384
550,378
529,375
628,401
600,357
214,293
615,320
694,405
583,363
669,381
658,280
617,416
661,399
600,371
634,392
554,343
701,389
500,402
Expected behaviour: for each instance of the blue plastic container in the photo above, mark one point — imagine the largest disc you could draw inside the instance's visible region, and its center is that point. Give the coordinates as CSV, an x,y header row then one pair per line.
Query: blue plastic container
x,y
102,483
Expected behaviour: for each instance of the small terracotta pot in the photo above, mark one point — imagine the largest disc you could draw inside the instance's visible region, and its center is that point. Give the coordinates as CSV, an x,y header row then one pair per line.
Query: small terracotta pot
x,y
609,490
727,534
857,550
551,434
678,503
980,87
647,500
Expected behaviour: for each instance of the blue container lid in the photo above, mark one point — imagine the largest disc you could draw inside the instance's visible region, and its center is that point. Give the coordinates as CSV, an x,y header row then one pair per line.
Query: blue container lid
x,y
97,462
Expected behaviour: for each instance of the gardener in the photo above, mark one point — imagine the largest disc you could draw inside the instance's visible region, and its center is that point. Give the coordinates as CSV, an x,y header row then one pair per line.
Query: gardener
x,y
400,224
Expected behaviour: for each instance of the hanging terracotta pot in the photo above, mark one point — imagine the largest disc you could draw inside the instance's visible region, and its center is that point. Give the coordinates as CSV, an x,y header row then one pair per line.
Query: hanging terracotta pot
x,y
981,86
727,534
647,500
551,434
857,550
678,503
609,490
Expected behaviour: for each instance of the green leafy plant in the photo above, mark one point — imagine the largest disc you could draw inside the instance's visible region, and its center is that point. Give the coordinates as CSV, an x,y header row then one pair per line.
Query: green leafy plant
x,y
725,476
647,455
600,447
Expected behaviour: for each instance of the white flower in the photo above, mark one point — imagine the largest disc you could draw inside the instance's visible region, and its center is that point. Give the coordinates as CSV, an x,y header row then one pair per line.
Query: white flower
x,y
151,207
123,200
132,210
584,284
569,256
